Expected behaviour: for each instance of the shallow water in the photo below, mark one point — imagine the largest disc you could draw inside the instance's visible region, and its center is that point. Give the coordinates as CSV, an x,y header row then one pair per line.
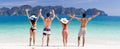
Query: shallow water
x,y
100,30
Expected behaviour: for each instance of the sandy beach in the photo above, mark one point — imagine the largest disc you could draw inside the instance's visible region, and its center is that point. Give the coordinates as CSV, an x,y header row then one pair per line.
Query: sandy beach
x,y
88,46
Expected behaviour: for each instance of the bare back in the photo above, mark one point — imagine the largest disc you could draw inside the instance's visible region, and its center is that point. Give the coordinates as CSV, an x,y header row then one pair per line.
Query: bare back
x,y
34,25
65,26
47,22
84,22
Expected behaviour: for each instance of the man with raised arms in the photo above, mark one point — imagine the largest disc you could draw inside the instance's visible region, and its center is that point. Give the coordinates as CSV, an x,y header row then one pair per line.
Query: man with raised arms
x,y
47,22
83,28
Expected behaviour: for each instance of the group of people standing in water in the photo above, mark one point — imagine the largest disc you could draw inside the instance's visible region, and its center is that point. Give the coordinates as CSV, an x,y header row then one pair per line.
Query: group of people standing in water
x,y
63,21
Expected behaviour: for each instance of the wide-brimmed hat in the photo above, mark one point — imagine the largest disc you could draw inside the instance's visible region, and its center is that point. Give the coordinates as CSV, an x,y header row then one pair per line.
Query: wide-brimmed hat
x,y
33,17
64,20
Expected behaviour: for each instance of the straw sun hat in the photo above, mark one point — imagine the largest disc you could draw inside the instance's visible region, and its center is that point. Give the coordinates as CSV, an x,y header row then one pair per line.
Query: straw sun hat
x,y
64,20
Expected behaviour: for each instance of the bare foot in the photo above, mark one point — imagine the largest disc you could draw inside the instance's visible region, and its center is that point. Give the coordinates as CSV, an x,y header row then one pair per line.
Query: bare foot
x,y
47,45
42,45
78,45
82,45
30,45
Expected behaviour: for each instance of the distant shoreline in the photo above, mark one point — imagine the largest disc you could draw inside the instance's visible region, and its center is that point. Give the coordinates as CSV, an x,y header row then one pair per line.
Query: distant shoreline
x,y
60,10
77,15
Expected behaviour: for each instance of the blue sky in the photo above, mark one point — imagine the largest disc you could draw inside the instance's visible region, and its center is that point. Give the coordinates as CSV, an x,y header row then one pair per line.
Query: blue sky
x,y
111,7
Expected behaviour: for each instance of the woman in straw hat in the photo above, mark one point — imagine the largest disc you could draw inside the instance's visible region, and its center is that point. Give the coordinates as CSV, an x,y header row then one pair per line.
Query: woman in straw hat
x,y
64,22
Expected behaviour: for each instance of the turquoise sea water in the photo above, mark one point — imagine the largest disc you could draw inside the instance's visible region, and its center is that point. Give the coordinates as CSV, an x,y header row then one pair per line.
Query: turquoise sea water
x,y
100,30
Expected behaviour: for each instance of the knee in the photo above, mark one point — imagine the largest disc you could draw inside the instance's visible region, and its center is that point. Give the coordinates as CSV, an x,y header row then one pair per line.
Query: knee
x,y
48,37
83,37
30,37
78,38
33,39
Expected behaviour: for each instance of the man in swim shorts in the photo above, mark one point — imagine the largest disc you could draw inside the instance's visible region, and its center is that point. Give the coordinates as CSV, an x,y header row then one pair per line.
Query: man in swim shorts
x,y
83,28
47,22
46,31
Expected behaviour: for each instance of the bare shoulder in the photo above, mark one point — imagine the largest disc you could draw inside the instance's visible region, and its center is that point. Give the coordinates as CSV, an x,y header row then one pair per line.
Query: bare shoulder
x,y
84,19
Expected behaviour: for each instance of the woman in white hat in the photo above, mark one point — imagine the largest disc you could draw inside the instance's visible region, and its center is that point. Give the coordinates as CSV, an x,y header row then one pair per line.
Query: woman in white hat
x,y
33,19
64,22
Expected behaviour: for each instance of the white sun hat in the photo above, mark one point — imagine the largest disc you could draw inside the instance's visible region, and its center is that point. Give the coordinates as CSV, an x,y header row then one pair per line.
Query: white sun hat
x,y
64,20
33,17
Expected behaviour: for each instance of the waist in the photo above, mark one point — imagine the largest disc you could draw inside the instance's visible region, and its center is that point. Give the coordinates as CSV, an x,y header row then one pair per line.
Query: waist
x,y
65,28
33,27
47,29
46,26
83,28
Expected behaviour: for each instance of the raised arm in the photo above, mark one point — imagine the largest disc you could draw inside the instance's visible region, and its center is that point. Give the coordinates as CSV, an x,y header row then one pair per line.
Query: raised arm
x,y
37,18
27,13
94,16
77,18
72,16
58,19
28,16
40,14
53,13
